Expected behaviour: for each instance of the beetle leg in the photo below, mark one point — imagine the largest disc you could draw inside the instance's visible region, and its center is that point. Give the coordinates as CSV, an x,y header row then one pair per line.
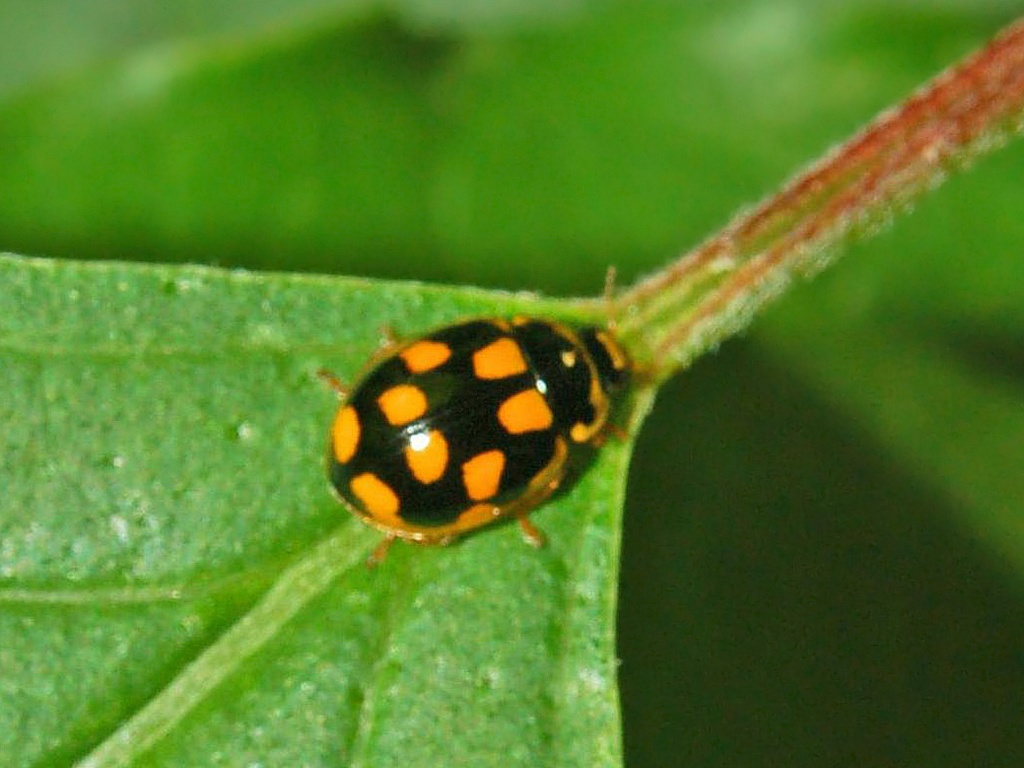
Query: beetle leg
x,y
380,551
531,533
610,307
537,496
333,382
386,344
609,430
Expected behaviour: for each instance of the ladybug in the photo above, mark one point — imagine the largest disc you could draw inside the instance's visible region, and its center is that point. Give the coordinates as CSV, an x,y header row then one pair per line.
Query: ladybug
x,y
471,423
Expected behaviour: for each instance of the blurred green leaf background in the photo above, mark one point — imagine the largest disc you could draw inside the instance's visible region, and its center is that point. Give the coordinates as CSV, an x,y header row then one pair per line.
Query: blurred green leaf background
x,y
824,543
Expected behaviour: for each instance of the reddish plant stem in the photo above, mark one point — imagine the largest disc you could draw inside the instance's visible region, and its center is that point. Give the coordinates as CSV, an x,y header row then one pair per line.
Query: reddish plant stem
x,y
964,111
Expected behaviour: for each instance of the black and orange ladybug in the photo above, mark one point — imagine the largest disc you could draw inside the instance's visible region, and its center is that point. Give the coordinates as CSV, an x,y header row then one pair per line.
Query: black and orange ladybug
x,y
471,423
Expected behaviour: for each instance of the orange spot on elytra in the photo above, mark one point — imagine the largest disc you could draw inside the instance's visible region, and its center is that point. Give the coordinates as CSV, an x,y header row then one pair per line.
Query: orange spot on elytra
x,y
498,360
345,434
526,411
425,355
376,496
427,456
482,474
402,403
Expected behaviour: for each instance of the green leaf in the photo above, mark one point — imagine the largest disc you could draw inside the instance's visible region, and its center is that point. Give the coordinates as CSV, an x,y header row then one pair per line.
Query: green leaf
x,y
162,465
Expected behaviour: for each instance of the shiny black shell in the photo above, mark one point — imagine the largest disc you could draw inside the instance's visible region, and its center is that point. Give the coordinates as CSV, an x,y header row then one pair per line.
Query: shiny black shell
x,y
469,423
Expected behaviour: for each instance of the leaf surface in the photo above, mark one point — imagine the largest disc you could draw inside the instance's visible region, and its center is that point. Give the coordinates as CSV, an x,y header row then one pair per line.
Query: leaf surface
x,y
164,469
